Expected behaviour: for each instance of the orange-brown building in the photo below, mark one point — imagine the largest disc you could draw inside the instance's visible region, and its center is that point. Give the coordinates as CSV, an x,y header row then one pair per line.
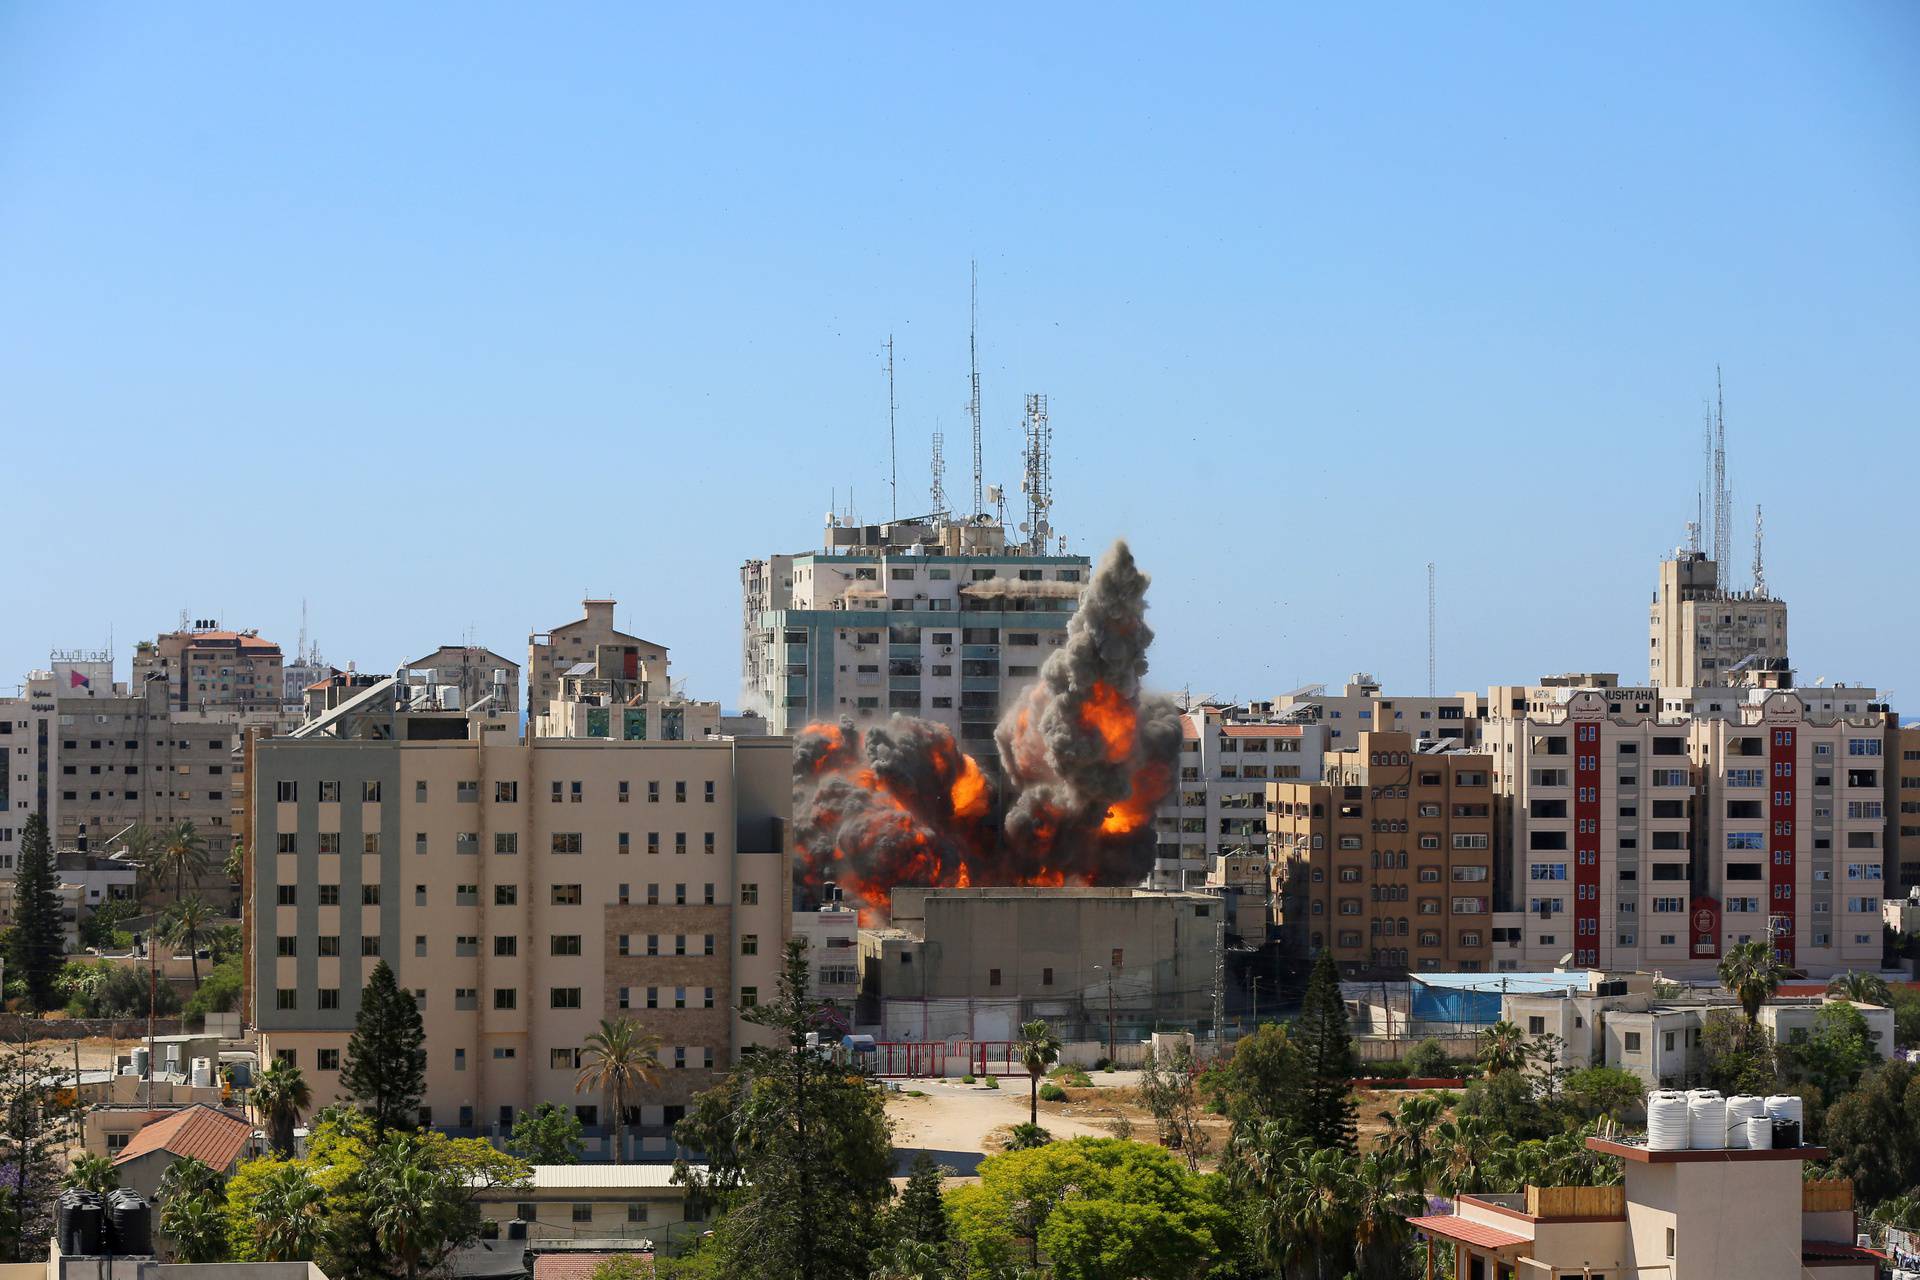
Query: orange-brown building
x,y
1389,859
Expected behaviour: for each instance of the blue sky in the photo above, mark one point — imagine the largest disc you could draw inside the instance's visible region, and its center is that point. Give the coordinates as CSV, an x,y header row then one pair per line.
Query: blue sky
x,y
438,316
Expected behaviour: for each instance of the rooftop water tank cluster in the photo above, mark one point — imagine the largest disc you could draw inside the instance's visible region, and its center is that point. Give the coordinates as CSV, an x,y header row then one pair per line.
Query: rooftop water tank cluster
x,y
1702,1120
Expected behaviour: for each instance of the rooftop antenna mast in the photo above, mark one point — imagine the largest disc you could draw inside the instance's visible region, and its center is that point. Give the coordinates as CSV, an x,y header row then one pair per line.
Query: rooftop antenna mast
x,y
1038,484
939,476
1431,631
973,353
893,458
1722,499
1759,560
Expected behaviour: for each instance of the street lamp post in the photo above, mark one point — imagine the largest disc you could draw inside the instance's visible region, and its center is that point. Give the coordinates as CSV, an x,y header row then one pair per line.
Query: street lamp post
x,y
1109,973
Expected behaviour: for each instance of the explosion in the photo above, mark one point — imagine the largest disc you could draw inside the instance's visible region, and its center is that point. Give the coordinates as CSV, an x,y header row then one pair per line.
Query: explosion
x,y
1086,758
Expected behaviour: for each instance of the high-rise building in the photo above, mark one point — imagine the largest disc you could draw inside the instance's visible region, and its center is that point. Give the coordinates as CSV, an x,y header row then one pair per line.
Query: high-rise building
x,y
1654,828
1903,806
524,888
551,654
1227,756
206,668
936,618
1388,859
1361,706
1702,634
29,740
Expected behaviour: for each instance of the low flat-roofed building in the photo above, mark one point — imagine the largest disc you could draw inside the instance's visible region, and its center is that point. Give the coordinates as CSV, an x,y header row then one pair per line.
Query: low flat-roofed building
x,y
627,1202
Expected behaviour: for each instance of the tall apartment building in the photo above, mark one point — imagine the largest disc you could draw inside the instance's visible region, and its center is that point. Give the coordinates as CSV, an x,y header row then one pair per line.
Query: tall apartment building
x,y
940,619
1388,860
551,653
1227,756
1702,634
1903,806
1654,828
1360,706
205,668
524,889
29,740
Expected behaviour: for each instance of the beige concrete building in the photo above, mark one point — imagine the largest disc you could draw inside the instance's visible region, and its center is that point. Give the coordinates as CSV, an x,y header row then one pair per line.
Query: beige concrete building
x,y
1678,1214
1701,634
1361,706
593,1202
551,654
1227,756
206,667
1389,860
476,672
832,937
975,963
1903,807
524,889
1654,828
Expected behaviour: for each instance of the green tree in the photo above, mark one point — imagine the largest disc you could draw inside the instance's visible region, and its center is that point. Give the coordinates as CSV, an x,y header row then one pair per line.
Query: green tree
x,y
281,1096
1409,1135
92,1173
186,927
181,854
546,1134
1737,1056
797,1147
1428,1059
101,930
1595,1092
1874,1132
622,1267
1752,972
1039,1049
385,1070
1906,1017
620,1059
37,943
1096,1209
220,993
1503,1047
187,1176
1262,1084
1866,988
1509,1105
1170,1092
37,1122
1326,1058
921,1215
1836,1052
1321,1211
195,1227
290,1216
416,1210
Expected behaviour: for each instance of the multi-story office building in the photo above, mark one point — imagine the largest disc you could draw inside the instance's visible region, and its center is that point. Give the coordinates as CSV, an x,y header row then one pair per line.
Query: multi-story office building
x,y
552,654
1903,806
1702,634
29,740
1228,755
939,619
207,668
476,672
524,889
1388,859
1655,828
1360,706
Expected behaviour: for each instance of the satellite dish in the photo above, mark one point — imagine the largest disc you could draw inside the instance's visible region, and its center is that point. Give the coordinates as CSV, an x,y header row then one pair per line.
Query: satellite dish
x,y
1023,526
1567,958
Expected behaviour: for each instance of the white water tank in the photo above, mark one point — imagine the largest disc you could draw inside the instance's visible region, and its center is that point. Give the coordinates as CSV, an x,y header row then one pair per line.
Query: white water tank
x,y
1667,1124
1706,1120
203,1073
1742,1107
1760,1133
1787,1106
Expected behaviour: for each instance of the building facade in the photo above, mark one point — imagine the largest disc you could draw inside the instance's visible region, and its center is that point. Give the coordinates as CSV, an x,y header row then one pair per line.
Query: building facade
x,y
476,672
1227,757
941,620
206,667
1655,828
1701,634
551,654
524,889
1361,706
1388,860
1903,806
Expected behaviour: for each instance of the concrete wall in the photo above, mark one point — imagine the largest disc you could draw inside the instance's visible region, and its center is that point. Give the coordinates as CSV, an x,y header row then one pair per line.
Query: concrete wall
x,y
1694,1197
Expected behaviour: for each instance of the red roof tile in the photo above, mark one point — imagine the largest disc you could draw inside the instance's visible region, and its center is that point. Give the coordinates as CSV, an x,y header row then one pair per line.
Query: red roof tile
x,y
576,1266
1261,730
1467,1231
213,1137
1838,1250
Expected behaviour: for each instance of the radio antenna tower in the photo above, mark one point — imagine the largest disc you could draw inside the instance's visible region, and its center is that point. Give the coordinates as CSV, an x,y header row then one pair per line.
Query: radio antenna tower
x,y
1759,560
1432,617
973,353
893,457
939,477
1722,498
1038,484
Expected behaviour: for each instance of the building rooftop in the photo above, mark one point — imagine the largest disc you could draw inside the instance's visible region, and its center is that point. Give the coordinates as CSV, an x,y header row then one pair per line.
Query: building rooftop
x,y
214,1137
610,1177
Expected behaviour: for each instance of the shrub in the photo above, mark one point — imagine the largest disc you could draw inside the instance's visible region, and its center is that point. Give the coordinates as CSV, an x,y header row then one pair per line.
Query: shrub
x,y
1386,1069
1052,1093
1428,1059
1072,1077
992,1082
967,1078
1025,1137
1102,1064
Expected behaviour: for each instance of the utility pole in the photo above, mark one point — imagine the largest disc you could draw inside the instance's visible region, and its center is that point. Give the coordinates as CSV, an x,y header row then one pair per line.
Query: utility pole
x,y
1256,1003
1430,629
973,403
1219,981
893,458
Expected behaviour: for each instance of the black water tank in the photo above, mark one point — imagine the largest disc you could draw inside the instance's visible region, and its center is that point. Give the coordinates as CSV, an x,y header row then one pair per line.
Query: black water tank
x,y
1786,1134
129,1223
86,1226
63,1223
516,1230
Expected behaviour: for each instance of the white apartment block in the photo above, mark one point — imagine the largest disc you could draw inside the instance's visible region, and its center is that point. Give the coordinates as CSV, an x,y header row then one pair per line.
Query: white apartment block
x,y
1360,707
524,889
1652,829
30,740
1227,757
942,620
831,935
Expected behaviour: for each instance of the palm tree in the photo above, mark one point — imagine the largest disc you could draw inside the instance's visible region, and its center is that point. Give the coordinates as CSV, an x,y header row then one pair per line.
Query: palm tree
x,y
623,1058
92,1173
1753,973
289,1221
1039,1049
196,1225
1866,988
187,926
187,1176
183,852
1460,1149
281,1095
1503,1047
1381,1205
1408,1133
406,1200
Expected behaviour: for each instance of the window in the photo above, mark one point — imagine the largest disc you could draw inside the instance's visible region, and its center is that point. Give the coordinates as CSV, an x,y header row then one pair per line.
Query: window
x,y
653,793
288,792
506,997
566,895
369,895
329,997
749,895
506,842
286,946
566,842
680,792
749,944
284,895
506,792
564,944
1631,1042
993,977
749,997
285,998
506,895
328,1060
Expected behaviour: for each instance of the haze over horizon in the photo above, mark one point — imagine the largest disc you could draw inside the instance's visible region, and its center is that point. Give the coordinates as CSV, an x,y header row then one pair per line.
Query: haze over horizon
x,y
439,326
